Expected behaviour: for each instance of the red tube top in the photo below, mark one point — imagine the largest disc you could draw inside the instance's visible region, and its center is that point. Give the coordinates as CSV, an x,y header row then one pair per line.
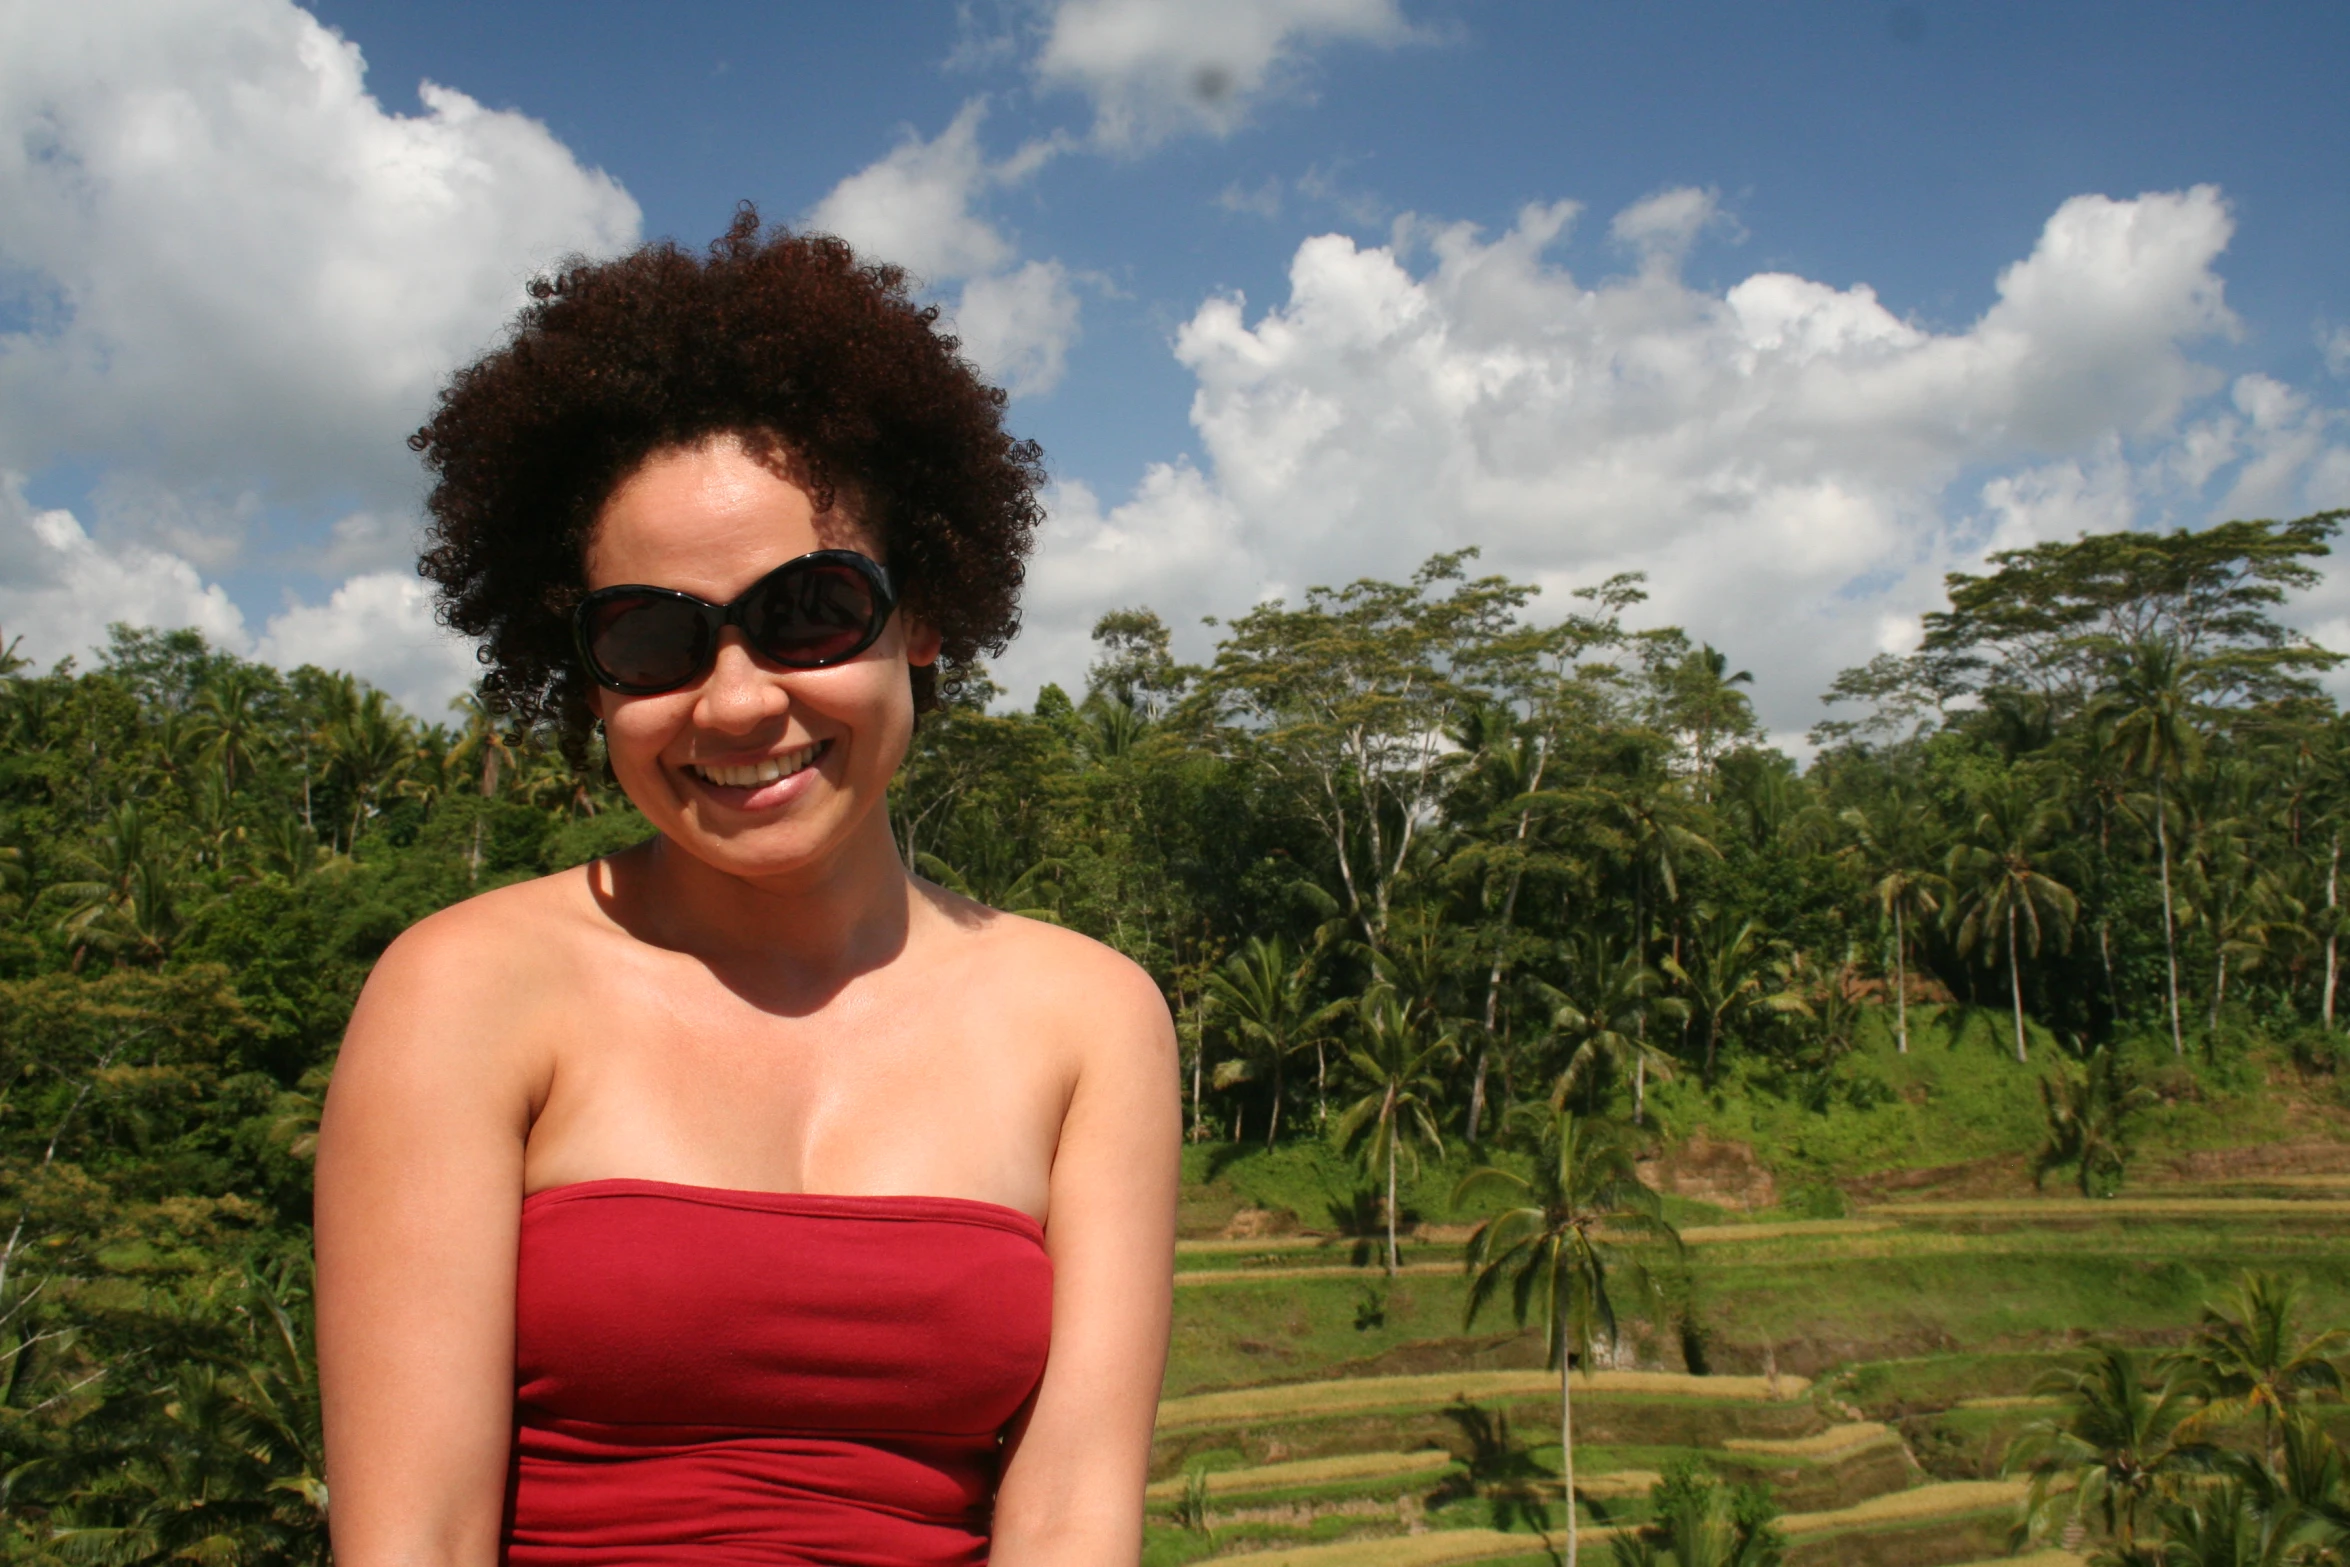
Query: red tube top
x,y
707,1377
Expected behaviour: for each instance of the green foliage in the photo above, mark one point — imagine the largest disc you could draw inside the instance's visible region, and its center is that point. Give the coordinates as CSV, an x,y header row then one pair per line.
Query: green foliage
x,y
1472,864
202,859
2086,1110
1697,1521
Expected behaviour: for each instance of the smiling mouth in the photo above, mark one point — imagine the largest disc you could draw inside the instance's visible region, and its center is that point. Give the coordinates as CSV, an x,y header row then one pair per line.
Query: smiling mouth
x,y
767,770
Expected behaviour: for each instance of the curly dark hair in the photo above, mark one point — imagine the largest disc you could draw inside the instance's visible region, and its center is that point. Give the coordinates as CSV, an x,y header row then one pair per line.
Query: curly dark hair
x,y
782,338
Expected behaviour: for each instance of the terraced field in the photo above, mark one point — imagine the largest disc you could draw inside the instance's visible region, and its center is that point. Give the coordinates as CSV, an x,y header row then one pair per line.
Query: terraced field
x,y
1871,1369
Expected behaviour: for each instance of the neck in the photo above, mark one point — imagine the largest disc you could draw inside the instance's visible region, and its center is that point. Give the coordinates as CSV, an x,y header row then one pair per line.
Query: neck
x,y
814,928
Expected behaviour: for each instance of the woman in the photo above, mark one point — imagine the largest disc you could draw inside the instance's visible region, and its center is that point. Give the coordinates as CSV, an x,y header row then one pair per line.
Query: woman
x,y
739,1198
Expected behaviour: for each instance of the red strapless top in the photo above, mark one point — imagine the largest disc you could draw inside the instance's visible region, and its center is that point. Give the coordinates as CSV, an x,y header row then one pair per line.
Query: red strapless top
x,y
707,1377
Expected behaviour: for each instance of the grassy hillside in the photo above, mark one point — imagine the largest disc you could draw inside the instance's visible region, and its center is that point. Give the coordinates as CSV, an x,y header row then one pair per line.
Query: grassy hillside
x,y
1871,1282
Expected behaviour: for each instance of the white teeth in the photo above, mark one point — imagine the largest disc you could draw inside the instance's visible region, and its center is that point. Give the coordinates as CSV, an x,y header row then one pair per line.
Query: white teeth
x,y
751,774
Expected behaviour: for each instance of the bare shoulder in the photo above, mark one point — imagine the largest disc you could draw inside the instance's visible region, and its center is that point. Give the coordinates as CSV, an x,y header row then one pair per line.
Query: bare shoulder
x,y
462,986
1082,989
503,937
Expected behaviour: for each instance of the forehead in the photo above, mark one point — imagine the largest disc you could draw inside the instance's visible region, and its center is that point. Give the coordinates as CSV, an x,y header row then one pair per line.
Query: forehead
x,y
709,519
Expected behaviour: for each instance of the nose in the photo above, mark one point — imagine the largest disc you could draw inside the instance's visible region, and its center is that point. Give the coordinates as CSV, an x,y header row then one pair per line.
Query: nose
x,y
738,696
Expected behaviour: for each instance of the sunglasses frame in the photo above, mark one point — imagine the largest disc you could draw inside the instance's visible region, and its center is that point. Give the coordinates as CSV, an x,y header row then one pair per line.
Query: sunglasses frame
x,y
715,618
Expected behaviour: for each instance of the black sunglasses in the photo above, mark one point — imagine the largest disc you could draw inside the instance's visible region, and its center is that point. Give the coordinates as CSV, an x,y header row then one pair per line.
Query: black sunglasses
x,y
821,608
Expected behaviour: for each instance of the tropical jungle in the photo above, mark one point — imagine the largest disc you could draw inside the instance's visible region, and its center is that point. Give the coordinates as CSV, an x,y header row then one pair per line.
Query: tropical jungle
x,y
1609,1137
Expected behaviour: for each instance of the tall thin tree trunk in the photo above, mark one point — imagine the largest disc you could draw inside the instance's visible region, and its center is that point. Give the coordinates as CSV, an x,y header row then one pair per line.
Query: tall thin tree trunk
x,y
1509,907
1273,1127
2015,982
2170,940
2219,991
1391,1257
1900,985
2333,902
1199,1056
1639,1087
1567,1445
2113,1000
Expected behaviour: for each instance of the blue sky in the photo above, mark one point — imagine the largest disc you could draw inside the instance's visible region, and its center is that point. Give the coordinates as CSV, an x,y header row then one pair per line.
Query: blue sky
x,y
1847,292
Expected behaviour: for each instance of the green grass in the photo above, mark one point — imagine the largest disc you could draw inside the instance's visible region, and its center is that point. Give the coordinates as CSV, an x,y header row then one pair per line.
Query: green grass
x,y
1952,1100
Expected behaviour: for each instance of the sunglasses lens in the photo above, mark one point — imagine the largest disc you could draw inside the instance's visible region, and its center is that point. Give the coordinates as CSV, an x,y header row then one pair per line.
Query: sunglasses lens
x,y
647,643
812,614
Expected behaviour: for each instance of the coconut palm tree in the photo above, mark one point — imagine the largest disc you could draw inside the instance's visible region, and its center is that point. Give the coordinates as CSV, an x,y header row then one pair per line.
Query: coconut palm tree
x,y
228,724
2104,1460
1697,1521
2149,704
2084,1112
2231,1524
1558,1248
1266,990
369,741
2247,1358
2002,889
1604,1019
126,899
1888,846
1727,967
1397,1113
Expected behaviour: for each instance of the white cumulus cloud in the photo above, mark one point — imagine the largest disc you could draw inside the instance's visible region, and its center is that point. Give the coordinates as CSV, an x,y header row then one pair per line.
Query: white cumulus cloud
x,y
59,589
921,207
915,206
1793,464
1155,68
379,627
231,281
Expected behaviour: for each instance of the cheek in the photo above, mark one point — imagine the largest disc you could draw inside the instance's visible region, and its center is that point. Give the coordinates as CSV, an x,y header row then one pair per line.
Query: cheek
x,y
636,728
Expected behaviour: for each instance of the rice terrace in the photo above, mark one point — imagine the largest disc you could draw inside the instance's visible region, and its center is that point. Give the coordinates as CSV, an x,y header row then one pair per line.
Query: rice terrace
x,y
1879,1372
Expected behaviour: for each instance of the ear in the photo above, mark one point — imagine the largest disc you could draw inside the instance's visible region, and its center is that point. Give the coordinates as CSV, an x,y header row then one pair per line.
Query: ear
x,y
922,642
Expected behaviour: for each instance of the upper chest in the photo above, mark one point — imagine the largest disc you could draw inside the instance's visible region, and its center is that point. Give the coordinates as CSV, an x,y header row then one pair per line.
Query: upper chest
x,y
661,1026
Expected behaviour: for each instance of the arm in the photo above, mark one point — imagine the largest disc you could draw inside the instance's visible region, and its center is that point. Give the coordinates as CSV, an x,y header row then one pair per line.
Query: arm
x,y
419,1201
1074,1470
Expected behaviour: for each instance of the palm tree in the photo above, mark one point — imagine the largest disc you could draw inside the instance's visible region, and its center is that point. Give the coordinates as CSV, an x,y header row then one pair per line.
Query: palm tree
x,y
1618,995
1708,704
1555,1246
1398,1111
1511,766
483,736
1888,844
2246,1358
1657,844
2150,704
212,813
2243,904
127,897
2001,888
2232,1524
1267,990
2103,1460
1696,1521
2085,1112
227,722
1728,974
369,741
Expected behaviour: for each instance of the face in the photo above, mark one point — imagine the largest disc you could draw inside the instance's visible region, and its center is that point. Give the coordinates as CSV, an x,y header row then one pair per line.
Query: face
x,y
754,769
